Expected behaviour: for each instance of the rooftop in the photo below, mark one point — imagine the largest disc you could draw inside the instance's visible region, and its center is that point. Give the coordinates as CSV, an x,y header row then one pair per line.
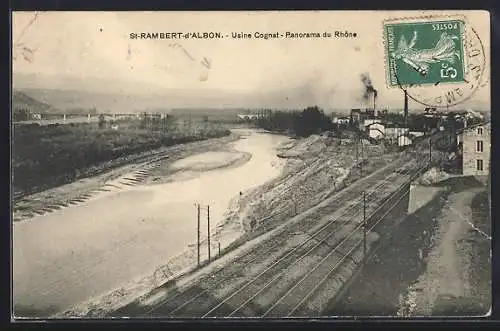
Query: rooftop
x,y
473,127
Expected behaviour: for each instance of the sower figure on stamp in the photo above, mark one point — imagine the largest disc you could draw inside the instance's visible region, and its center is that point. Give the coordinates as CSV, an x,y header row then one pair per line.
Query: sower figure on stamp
x,y
420,60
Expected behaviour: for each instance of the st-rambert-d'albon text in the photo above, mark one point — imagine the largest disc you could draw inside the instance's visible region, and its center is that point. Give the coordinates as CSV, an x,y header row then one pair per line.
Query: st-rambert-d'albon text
x,y
241,35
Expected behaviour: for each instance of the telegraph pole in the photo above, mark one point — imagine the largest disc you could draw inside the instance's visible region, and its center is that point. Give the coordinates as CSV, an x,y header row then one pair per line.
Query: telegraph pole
x,y
208,229
357,152
430,150
361,164
406,109
198,234
364,224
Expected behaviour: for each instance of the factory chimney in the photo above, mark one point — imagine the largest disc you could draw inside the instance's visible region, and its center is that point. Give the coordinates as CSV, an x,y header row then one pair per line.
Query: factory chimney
x,y
368,91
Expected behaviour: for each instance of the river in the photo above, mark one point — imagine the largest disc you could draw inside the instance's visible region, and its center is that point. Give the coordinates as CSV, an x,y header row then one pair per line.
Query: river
x,y
73,254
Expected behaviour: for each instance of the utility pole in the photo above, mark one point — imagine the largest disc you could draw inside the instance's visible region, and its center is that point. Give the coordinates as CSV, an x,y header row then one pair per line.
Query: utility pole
x,y
364,224
406,109
362,147
198,234
219,249
357,153
362,152
430,150
208,220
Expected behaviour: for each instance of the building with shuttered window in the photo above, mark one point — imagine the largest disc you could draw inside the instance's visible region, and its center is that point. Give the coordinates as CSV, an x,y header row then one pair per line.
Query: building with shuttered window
x,y
476,149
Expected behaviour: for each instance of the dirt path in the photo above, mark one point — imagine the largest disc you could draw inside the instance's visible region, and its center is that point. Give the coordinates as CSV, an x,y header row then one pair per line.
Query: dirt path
x,y
446,287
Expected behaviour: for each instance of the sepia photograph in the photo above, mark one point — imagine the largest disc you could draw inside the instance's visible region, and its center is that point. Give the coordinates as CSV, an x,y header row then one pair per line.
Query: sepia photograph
x,y
250,164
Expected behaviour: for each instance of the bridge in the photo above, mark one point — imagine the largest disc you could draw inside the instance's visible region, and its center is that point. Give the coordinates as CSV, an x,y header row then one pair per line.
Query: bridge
x,y
63,120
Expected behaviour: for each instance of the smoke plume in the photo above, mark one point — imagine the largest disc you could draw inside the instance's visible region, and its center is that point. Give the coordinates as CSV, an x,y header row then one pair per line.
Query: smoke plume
x,y
369,89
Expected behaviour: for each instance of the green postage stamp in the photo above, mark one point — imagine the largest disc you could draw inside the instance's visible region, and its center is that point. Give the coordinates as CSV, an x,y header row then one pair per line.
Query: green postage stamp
x,y
425,52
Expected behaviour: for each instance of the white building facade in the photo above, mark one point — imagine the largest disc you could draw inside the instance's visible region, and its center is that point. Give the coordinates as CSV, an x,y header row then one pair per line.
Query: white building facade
x,y
376,130
404,140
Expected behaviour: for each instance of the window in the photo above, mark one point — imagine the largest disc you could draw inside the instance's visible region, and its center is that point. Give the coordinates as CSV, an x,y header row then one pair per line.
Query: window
x,y
480,131
480,165
479,145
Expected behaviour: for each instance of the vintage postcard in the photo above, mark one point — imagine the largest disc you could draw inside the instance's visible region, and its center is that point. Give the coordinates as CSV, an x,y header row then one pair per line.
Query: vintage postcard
x,y
251,164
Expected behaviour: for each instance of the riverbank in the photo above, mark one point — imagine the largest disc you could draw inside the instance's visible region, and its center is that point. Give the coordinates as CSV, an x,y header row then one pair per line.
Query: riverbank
x,y
434,263
78,252
82,190
45,157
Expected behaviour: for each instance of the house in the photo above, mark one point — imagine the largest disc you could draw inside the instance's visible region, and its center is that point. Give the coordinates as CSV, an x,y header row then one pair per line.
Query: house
x,y
248,116
392,131
369,113
430,111
355,115
375,130
370,121
358,116
476,149
340,120
417,133
404,140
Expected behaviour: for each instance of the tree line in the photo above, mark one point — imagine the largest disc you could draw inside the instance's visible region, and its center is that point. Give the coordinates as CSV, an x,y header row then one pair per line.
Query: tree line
x,y
311,120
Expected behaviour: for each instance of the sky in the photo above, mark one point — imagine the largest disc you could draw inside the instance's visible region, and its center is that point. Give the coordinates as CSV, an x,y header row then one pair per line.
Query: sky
x,y
94,49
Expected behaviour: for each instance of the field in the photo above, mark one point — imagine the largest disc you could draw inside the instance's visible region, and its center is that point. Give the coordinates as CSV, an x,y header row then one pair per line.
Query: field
x,y
48,156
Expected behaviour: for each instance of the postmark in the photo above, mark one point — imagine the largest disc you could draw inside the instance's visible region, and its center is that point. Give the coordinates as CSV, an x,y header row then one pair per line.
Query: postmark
x,y
438,61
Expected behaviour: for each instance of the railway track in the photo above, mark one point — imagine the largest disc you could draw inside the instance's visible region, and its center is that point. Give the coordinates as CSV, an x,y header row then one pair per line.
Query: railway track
x,y
241,295
319,281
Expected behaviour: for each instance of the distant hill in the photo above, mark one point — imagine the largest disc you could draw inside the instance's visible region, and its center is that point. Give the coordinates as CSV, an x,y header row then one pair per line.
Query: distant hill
x,y
103,102
22,101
